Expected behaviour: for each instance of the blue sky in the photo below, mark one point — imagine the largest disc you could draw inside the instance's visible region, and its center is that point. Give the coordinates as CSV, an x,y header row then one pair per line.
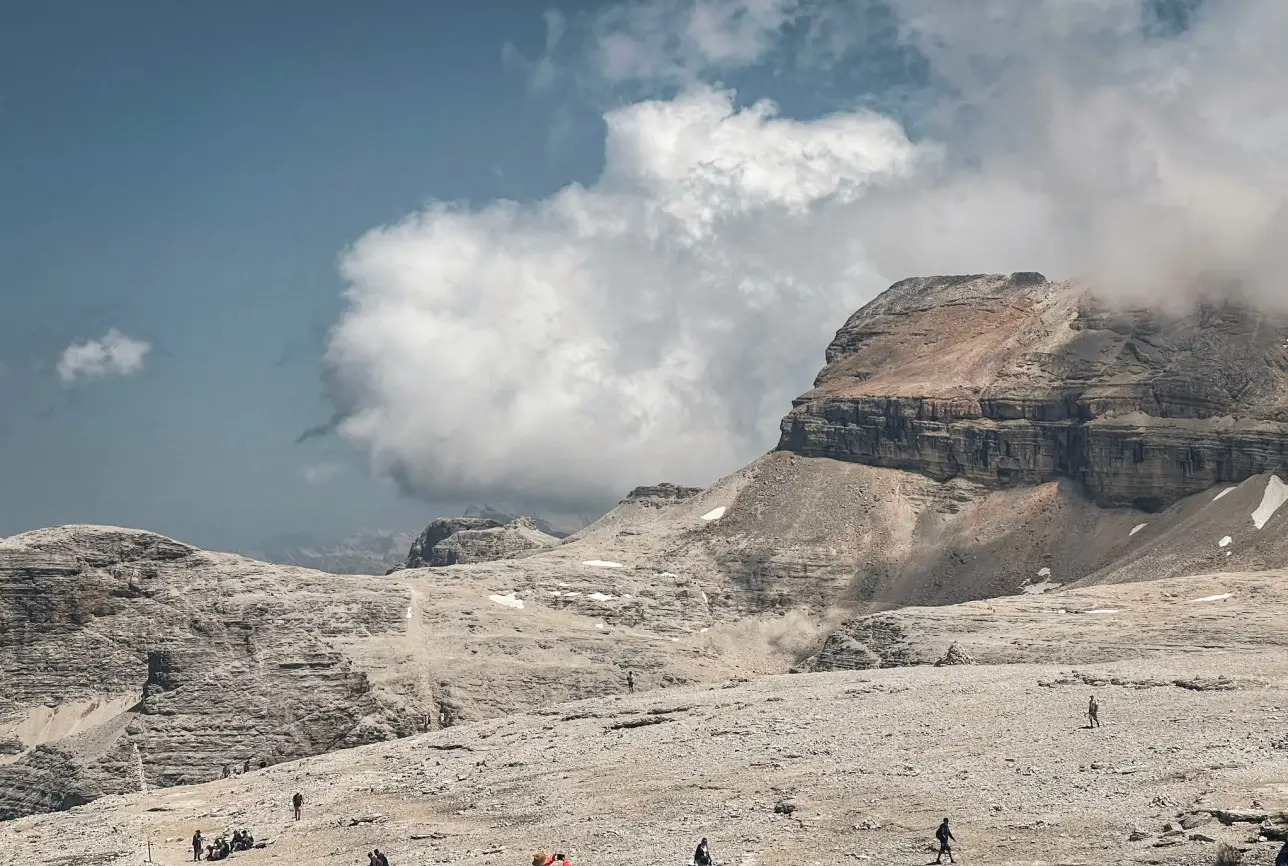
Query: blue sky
x,y
189,174
534,258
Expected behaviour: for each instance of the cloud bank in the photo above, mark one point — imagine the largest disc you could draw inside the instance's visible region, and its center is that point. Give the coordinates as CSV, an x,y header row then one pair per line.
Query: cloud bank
x,y
113,355
655,325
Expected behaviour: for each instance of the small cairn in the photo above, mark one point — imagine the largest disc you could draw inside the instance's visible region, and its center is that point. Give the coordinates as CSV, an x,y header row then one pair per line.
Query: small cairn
x,y
955,656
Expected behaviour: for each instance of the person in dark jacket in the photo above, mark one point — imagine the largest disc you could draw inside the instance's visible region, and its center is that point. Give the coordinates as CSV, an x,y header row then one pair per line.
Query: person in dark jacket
x,y
298,802
1282,859
196,846
945,836
702,856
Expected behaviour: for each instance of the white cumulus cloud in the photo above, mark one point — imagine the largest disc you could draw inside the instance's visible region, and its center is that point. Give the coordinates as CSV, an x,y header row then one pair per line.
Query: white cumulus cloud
x,y
113,354
651,326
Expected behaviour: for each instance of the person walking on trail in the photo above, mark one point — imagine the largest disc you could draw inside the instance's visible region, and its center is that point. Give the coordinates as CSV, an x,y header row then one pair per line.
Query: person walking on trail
x,y
630,682
702,856
196,846
381,859
298,802
945,837
1093,713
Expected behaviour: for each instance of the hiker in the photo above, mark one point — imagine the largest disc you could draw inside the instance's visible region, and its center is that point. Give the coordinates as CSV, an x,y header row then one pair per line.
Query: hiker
x,y
227,771
381,859
944,835
196,846
541,858
630,682
1093,713
1282,858
246,766
298,802
702,856
372,859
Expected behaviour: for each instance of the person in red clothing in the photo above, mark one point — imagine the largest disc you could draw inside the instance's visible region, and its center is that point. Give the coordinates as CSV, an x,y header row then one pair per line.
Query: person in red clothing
x,y
541,858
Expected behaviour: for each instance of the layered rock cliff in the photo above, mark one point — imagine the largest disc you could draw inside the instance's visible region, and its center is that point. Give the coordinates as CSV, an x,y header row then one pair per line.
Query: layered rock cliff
x,y
1014,380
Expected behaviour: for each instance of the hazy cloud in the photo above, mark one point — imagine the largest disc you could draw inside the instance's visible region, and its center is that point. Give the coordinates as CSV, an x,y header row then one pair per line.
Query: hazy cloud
x,y
113,354
321,473
542,72
655,325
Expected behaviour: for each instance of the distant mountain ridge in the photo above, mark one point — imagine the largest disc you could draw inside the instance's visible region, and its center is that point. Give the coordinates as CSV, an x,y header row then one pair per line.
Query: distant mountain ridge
x,y
372,551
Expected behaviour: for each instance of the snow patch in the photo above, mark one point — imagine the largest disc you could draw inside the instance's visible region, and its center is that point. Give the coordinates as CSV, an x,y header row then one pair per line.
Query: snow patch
x,y
1225,542
409,613
1137,528
1223,493
602,563
667,574
703,630
507,600
705,600
1038,588
1044,572
714,514
599,596
1221,597
1275,496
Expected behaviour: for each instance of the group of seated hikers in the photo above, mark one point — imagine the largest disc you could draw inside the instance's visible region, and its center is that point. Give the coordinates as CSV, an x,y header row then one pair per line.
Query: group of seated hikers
x,y
223,846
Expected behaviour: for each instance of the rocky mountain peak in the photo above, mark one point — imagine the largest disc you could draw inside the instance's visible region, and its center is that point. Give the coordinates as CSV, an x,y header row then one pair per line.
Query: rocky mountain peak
x,y
1015,380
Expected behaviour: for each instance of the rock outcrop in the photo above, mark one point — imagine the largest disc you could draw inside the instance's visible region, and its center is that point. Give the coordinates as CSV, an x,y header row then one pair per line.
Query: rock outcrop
x,y
114,639
463,540
1008,381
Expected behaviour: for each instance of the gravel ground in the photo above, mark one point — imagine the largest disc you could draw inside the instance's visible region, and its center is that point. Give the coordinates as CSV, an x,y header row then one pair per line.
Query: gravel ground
x,y
815,769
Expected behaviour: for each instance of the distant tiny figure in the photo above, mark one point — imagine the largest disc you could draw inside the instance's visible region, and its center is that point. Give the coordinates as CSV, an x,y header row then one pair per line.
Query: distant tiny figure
x,y
246,766
945,836
630,682
1093,713
196,846
298,802
227,771
381,859
702,856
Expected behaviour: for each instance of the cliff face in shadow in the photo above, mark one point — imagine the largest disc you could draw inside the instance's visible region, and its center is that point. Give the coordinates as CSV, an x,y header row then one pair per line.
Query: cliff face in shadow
x,y
1013,380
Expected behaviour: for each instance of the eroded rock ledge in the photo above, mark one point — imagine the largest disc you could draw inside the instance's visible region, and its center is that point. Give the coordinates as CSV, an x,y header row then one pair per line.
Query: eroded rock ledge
x,y
1014,380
